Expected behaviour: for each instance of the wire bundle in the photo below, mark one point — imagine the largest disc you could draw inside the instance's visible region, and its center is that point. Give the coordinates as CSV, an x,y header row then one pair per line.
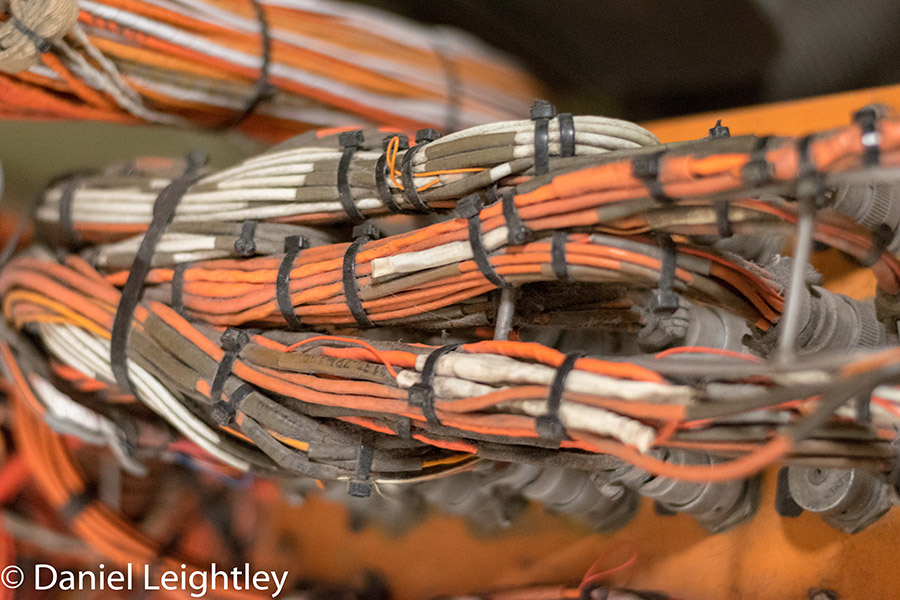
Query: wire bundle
x,y
64,484
275,68
298,181
234,322
304,385
363,410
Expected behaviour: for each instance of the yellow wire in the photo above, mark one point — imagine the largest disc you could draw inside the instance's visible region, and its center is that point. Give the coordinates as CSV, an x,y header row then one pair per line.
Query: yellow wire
x,y
65,314
393,149
448,460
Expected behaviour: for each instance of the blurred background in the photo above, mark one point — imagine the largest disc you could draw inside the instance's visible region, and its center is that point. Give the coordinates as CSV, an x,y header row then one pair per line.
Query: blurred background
x,y
647,59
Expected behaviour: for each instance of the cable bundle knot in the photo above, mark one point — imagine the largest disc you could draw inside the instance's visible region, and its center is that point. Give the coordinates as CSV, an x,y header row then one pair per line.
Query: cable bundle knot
x,y
32,26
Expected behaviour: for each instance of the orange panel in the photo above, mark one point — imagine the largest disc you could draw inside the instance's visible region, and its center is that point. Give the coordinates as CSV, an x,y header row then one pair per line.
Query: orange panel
x,y
769,558
795,117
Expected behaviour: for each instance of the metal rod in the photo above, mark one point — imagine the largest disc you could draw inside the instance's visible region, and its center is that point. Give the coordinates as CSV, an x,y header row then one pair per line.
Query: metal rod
x,y
505,312
790,318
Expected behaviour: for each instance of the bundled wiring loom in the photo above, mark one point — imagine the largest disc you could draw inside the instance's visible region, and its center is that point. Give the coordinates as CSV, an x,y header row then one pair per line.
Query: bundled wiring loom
x,y
568,311
273,67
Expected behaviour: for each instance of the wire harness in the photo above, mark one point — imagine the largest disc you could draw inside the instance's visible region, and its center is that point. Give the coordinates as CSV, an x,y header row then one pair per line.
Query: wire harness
x,y
272,343
273,69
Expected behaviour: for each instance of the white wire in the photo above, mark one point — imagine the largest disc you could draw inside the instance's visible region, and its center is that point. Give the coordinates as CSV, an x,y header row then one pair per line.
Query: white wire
x,y
421,110
89,354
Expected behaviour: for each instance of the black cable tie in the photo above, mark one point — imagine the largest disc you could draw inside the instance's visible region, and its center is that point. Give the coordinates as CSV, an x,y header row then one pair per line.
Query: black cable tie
x,y
402,141
360,485
490,195
177,300
233,341
263,90
646,168
381,184
558,255
163,211
719,131
666,298
224,410
292,246
517,231
421,394
541,113
245,245
566,134
408,181
367,230
423,137
468,206
867,118
69,184
41,44
548,424
350,141
77,503
723,223
404,428
471,207
758,171
810,183
362,234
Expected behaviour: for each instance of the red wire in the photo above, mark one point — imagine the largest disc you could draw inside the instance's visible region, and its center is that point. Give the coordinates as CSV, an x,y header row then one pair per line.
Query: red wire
x,y
594,575
335,338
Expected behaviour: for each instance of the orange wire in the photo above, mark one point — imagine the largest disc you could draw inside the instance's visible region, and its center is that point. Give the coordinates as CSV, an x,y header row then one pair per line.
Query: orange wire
x,y
334,338
705,350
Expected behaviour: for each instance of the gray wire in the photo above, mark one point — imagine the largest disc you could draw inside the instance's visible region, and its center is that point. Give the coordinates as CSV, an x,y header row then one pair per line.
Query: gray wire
x,y
790,319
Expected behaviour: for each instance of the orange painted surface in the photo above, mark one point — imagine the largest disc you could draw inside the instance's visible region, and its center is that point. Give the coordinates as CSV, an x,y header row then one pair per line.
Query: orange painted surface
x,y
795,117
769,558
